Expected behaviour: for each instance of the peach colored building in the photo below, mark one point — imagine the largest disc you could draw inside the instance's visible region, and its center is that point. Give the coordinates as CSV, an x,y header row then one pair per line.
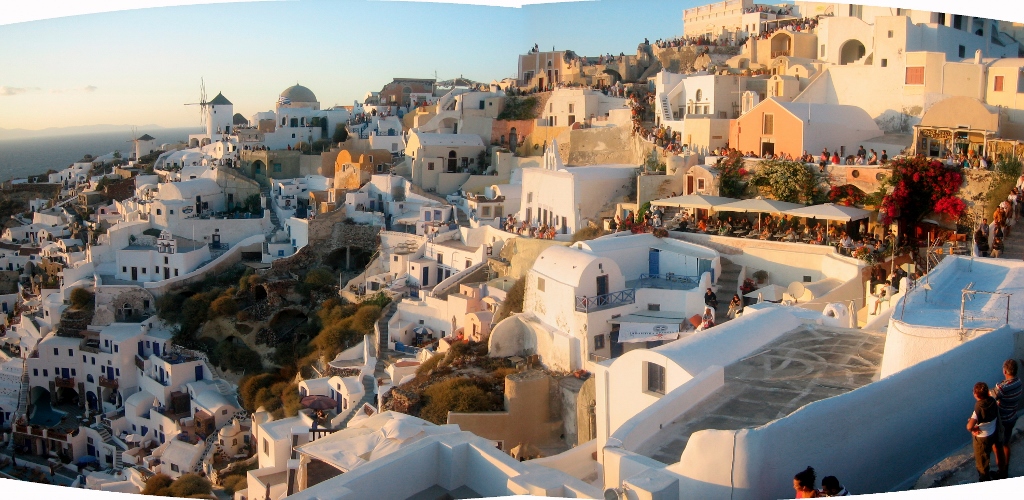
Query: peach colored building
x,y
353,168
792,128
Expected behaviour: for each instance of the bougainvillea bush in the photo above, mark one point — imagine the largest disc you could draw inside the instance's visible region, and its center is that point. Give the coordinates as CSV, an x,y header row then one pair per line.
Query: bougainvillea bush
x,y
732,175
847,194
920,187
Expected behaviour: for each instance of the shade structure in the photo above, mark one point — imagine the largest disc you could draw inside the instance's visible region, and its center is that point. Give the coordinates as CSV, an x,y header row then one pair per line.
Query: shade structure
x,y
771,293
694,201
830,211
422,330
758,204
319,402
87,459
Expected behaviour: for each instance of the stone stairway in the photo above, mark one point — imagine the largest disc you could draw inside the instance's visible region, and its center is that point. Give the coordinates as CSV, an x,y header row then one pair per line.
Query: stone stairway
x,y
273,215
1013,243
104,433
369,397
727,284
22,398
666,110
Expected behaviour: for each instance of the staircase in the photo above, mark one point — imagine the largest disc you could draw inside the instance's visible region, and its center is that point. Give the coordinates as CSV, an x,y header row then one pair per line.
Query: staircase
x,y
1013,243
664,109
369,397
22,397
104,433
273,214
727,284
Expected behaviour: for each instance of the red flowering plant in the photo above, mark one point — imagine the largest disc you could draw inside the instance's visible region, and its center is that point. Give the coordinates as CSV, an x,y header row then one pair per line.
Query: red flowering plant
x,y
919,187
847,194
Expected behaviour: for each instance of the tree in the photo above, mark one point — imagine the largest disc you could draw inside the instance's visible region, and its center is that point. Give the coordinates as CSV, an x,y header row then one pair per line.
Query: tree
x,y
340,133
789,181
453,395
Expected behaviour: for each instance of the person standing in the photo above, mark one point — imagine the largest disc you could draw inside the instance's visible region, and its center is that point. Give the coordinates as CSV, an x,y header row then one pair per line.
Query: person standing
x,y
1008,395
984,428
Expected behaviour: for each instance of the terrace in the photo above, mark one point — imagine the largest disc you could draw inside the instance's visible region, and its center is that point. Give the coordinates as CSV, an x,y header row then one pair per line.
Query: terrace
x,y
805,365
606,301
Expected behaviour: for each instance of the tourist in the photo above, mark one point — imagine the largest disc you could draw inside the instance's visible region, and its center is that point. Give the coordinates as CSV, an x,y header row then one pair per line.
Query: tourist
x,y
981,242
997,247
803,483
873,159
1008,397
884,294
735,306
885,157
830,487
710,299
984,428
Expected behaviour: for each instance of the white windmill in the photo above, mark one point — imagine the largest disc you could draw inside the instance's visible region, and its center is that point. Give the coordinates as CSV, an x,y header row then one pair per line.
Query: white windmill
x,y
203,103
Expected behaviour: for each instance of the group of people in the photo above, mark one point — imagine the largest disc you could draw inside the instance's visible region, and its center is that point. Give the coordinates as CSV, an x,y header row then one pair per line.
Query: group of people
x,y
543,232
989,238
970,161
993,420
804,481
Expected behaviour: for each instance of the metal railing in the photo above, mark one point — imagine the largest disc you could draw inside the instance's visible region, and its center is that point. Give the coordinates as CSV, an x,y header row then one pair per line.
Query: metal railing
x,y
672,277
606,301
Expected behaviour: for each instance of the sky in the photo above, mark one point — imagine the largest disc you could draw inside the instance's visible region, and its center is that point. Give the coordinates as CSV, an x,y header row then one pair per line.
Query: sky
x,y
140,66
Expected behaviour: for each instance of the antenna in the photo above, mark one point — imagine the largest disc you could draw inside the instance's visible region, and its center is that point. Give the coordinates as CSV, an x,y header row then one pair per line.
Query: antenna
x,y
203,103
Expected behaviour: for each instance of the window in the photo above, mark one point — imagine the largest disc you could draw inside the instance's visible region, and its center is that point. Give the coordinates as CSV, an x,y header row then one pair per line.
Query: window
x,y
915,75
73,374
143,270
482,104
35,372
890,33
885,63
159,212
962,51
430,165
572,108
266,447
998,84
44,373
822,50
540,284
115,348
655,378
174,467
224,412
768,124
165,260
277,167
700,184
71,352
598,342
55,351
653,307
529,197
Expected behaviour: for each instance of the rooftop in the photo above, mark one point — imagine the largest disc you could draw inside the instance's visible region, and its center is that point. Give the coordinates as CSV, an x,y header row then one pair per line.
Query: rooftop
x,y
807,364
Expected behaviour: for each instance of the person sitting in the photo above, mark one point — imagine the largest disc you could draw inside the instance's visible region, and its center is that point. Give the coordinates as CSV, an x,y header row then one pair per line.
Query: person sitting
x,y
803,484
702,225
710,299
884,294
735,306
830,487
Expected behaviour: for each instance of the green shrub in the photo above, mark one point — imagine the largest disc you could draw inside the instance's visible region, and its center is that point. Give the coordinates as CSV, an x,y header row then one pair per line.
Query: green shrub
x,y
82,298
458,395
224,306
190,484
428,365
513,303
157,485
234,483
320,278
587,233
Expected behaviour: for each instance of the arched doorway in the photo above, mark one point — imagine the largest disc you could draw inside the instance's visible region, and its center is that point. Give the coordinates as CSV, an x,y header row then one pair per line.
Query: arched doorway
x,y
259,293
613,76
92,402
67,396
782,44
513,140
851,51
453,161
258,168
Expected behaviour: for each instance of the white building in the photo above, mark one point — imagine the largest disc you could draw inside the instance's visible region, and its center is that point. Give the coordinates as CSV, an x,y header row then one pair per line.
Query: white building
x,y
567,198
297,117
569,106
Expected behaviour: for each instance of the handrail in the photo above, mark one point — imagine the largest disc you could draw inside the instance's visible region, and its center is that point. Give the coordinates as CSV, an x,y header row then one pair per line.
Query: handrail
x,y
605,301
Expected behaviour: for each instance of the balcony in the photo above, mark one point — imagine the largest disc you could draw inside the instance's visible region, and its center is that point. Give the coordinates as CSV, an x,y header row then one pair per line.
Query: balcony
x,y
108,383
607,301
64,382
140,363
90,345
778,53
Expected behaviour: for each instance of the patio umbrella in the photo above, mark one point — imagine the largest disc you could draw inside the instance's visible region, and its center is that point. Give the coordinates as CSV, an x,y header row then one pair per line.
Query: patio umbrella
x,y
693,201
759,205
771,293
830,211
318,402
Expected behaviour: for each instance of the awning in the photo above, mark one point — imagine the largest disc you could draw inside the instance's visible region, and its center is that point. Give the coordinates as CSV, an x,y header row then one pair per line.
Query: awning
x,y
829,211
693,201
758,204
649,326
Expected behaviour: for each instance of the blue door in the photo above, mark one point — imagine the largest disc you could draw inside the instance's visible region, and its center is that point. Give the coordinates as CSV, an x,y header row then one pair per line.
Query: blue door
x,y
654,262
142,353
199,372
156,349
90,450
161,374
65,373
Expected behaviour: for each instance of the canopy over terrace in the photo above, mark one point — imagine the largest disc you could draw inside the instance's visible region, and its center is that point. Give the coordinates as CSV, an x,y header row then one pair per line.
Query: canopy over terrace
x,y
758,205
829,211
694,201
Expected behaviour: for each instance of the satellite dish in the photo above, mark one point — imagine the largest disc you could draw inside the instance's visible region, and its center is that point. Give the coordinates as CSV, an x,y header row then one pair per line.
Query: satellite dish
x,y
796,290
611,494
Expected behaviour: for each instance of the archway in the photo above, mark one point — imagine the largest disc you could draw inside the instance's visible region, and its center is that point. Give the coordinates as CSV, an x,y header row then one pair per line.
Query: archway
x,y
67,396
613,76
285,322
348,258
259,293
258,168
851,51
453,161
782,44
91,401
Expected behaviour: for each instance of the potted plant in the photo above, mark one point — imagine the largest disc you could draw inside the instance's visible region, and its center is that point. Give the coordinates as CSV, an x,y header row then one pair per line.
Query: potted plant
x,y
747,286
761,276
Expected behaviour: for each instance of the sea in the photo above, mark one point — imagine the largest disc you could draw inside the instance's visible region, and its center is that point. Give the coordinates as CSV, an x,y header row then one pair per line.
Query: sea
x,y
20,158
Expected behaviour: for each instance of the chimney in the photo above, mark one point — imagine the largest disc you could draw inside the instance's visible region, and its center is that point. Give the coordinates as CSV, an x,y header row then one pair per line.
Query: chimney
x,y
977,56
